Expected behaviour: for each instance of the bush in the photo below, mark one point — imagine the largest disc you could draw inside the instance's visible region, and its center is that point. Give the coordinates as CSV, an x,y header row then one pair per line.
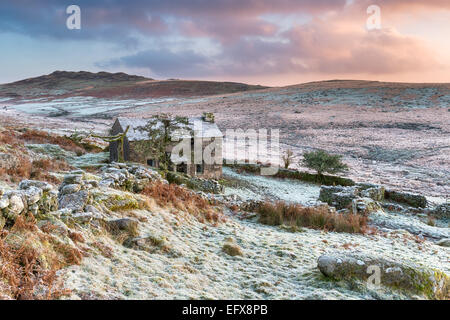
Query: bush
x,y
37,170
320,217
182,199
23,273
321,161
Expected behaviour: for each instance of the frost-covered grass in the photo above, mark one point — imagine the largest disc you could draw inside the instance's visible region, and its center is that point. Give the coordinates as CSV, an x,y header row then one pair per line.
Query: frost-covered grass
x,y
87,160
265,187
276,264
80,106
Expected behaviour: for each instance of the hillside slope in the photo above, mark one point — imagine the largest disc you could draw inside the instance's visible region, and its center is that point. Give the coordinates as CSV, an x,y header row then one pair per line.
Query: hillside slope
x,y
62,84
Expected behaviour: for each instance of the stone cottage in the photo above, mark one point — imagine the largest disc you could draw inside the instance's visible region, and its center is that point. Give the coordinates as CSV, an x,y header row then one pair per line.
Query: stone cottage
x,y
201,131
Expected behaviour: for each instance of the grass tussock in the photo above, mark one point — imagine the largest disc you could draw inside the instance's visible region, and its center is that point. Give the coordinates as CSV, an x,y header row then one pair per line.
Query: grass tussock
x,y
183,199
320,217
9,137
13,143
30,259
37,170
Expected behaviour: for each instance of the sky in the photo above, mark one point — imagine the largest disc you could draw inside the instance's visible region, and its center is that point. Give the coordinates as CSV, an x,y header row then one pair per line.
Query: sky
x,y
275,43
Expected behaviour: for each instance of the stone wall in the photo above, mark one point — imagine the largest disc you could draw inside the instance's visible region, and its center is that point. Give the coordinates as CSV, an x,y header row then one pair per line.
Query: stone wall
x,y
32,197
140,153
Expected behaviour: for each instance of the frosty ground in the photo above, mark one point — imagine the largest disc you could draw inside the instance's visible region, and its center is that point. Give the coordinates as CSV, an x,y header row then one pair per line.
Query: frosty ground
x,y
277,263
399,140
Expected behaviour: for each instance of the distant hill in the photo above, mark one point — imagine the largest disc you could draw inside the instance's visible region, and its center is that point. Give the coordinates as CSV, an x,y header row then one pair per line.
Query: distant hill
x,y
61,84
367,93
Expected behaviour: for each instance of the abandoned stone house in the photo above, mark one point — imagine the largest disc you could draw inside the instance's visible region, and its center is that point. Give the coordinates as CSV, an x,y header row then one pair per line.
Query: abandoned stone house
x,y
204,129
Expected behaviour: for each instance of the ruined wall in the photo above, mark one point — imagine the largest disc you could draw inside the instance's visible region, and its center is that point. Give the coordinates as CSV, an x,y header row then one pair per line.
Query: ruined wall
x,y
140,152
114,146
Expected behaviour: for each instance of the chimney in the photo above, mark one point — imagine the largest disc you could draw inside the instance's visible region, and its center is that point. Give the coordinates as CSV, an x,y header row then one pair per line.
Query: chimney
x,y
208,117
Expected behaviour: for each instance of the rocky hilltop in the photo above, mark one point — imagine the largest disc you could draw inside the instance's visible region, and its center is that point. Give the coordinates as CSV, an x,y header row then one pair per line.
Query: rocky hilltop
x,y
63,84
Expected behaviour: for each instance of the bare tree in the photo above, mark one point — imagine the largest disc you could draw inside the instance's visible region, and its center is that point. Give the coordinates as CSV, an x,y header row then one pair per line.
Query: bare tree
x,y
288,158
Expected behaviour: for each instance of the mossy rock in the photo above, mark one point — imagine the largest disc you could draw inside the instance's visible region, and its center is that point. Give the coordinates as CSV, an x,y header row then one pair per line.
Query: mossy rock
x,y
413,200
123,201
150,243
122,229
433,284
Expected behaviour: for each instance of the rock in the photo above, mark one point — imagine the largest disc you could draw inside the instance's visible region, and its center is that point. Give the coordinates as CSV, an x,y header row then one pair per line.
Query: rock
x,y
444,242
414,200
16,206
338,196
130,178
140,184
33,195
108,183
4,201
392,207
376,193
195,183
149,244
251,205
92,183
25,184
76,172
82,217
126,225
92,209
34,209
231,248
73,179
70,188
441,211
365,206
29,199
74,201
413,278
49,202
62,213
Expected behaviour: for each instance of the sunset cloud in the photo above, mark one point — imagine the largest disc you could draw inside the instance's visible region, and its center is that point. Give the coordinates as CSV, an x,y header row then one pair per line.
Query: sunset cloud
x,y
240,39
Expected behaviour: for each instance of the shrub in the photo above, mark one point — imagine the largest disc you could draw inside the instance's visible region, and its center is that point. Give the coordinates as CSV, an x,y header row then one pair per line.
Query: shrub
x,y
320,217
22,273
20,171
8,137
322,161
37,170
